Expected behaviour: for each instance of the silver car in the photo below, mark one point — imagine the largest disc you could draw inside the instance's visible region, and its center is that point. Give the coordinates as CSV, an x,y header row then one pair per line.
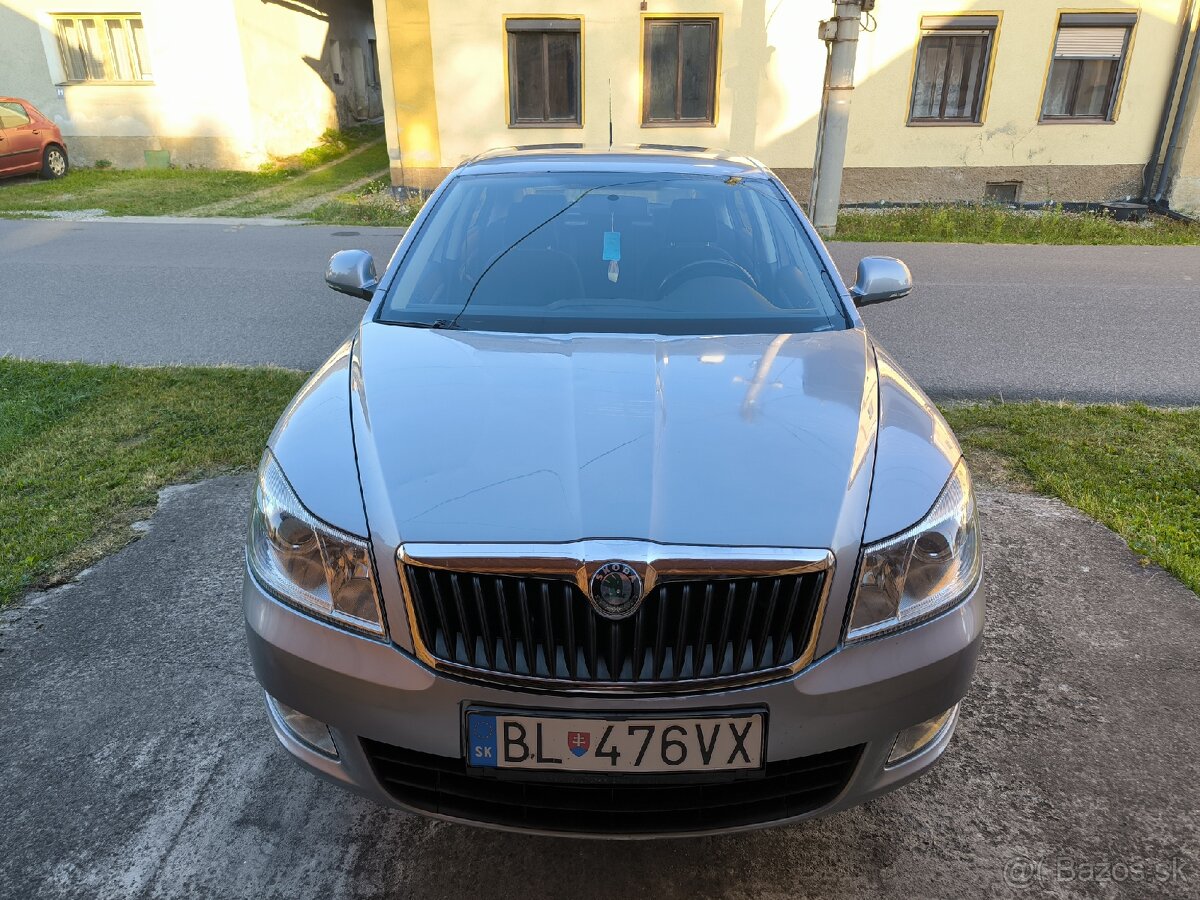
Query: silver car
x,y
611,518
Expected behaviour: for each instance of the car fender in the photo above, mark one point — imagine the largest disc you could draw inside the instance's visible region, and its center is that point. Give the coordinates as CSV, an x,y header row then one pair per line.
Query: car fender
x,y
314,445
914,456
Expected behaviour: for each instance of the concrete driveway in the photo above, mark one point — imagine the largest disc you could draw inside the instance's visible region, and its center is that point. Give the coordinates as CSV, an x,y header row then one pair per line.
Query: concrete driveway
x,y
136,759
1081,323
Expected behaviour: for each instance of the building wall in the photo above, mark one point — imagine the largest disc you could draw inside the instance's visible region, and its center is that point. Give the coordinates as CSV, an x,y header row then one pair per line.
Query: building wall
x,y
234,81
306,69
769,93
283,53
357,92
196,109
417,159
387,81
1185,193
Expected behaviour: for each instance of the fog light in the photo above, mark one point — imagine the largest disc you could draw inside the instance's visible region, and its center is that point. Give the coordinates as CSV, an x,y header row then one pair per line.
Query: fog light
x,y
305,729
916,738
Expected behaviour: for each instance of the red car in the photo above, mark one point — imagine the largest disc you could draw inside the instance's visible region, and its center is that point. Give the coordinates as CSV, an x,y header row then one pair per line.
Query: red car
x,y
29,142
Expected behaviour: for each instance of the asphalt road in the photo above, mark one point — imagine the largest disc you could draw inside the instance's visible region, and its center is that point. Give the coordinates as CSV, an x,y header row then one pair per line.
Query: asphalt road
x,y
1080,323
1042,322
160,294
136,759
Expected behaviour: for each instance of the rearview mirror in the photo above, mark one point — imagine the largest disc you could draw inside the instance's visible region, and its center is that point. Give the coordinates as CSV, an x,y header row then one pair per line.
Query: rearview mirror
x,y
352,272
881,278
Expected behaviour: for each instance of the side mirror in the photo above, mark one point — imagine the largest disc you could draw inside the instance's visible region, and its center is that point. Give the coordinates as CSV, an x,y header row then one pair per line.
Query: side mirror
x,y
881,278
352,272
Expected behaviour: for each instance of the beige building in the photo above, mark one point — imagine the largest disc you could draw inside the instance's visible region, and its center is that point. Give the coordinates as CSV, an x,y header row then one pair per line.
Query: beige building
x,y
955,100
225,83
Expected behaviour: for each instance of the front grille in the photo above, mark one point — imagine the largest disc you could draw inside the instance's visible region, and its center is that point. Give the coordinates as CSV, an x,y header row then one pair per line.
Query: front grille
x,y
445,786
538,628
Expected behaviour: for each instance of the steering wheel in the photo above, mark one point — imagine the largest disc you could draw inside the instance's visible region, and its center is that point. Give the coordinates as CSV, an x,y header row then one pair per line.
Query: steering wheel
x,y
726,268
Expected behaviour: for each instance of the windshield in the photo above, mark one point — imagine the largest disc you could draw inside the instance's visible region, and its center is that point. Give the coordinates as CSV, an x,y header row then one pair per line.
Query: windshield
x,y
605,252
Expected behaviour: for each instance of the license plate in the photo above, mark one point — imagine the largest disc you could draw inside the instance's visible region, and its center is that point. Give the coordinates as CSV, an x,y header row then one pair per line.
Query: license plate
x,y
615,744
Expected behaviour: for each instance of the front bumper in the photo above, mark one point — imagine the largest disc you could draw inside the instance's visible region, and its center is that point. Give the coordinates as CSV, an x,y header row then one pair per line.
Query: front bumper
x,y
369,690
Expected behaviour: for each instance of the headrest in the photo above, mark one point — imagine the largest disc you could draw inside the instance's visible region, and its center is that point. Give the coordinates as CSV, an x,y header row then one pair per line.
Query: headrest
x,y
691,222
534,209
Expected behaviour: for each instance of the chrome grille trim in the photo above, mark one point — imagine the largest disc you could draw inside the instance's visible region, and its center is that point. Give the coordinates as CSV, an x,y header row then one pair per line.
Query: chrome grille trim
x,y
455,588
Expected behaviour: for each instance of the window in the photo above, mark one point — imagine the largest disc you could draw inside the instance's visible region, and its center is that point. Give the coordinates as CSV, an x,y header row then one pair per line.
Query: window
x,y
1002,191
543,72
1089,59
614,252
679,80
13,115
335,62
952,69
104,48
373,73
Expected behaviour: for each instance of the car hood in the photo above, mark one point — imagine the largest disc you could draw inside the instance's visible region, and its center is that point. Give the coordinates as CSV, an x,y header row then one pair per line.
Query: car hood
x,y
751,440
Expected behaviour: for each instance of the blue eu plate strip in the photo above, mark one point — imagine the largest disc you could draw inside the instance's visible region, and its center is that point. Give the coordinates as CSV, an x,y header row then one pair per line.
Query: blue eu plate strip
x,y
481,740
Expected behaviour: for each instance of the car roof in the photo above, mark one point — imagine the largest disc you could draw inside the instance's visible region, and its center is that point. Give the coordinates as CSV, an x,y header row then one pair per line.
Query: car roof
x,y
632,158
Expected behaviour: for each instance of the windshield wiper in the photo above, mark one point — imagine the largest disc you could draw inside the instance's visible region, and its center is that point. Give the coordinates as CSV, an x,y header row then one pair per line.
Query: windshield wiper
x,y
438,324
539,226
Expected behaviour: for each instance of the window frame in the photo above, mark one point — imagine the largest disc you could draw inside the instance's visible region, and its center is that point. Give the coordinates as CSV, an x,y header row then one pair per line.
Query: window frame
x,y
62,21
510,80
936,26
1116,86
373,77
648,20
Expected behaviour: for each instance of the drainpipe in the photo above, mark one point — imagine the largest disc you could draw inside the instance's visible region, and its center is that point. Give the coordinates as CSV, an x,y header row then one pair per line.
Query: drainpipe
x,y
1185,93
1150,176
841,34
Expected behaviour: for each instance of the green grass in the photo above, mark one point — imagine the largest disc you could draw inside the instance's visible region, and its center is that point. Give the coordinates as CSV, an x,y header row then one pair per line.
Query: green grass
x,y
164,192
371,205
334,145
964,224
84,450
134,192
369,162
998,225
1135,469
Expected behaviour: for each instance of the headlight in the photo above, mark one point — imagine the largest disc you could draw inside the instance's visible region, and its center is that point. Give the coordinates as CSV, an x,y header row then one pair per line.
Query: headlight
x,y
306,562
924,570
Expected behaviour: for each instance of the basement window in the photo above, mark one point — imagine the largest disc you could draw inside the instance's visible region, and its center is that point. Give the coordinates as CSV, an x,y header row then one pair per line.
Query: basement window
x,y
544,73
1002,192
951,76
104,48
1090,52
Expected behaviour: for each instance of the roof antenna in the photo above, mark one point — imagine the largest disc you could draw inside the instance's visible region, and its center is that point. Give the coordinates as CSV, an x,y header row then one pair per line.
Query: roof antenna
x,y
610,133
